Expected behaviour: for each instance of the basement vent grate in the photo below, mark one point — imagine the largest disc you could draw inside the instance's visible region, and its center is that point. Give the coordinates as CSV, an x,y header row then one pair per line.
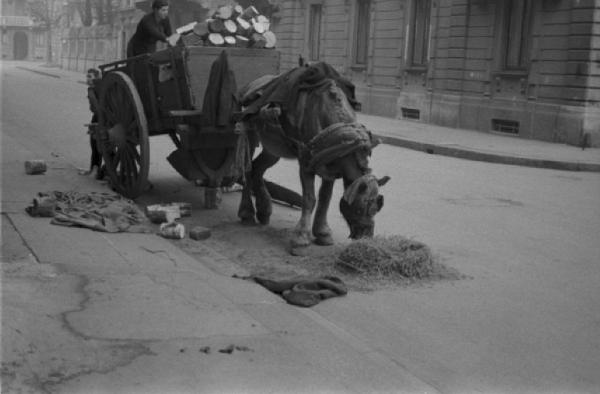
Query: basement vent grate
x,y
505,126
411,113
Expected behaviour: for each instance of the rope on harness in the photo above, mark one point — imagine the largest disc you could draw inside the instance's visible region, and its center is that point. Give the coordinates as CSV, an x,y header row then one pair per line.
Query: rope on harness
x,y
335,141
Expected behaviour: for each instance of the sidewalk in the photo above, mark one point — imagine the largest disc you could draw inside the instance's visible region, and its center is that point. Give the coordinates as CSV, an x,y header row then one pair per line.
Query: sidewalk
x,y
447,141
90,311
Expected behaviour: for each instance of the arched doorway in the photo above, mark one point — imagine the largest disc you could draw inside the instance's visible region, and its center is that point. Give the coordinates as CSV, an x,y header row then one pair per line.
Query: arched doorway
x,y
20,46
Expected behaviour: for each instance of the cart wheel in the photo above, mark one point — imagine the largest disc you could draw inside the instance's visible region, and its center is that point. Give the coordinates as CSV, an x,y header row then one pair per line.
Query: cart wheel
x,y
124,135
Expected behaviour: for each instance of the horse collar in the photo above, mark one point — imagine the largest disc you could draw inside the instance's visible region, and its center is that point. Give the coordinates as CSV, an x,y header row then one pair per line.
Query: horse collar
x,y
334,142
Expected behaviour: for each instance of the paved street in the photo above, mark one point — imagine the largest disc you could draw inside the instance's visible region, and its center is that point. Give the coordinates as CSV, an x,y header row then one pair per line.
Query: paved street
x,y
126,313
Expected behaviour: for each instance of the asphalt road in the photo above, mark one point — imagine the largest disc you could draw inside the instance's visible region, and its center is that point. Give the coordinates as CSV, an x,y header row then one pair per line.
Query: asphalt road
x,y
526,319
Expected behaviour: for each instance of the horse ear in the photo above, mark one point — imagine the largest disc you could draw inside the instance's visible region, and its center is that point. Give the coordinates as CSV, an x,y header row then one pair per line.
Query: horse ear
x,y
382,181
379,202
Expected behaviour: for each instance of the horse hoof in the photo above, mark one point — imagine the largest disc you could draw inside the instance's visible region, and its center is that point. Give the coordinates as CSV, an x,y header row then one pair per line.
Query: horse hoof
x,y
324,240
299,242
263,219
248,221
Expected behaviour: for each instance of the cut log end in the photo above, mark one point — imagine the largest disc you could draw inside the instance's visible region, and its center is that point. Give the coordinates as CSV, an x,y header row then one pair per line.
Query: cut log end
x,y
270,39
215,39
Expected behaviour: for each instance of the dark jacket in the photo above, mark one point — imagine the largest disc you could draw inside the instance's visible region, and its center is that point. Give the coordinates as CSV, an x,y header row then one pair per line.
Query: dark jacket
x,y
92,93
148,32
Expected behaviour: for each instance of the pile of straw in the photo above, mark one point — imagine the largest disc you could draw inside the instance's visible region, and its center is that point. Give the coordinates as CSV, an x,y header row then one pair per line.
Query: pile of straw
x,y
388,256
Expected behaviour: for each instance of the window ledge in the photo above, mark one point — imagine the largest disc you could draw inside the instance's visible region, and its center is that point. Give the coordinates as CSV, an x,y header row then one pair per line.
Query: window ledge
x,y
358,67
511,73
416,69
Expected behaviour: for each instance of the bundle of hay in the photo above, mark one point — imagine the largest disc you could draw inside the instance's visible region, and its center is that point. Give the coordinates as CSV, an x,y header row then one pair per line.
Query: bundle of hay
x,y
388,256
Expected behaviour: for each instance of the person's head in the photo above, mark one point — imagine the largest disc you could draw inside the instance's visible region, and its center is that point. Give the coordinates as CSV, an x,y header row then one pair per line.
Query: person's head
x,y
160,9
91,75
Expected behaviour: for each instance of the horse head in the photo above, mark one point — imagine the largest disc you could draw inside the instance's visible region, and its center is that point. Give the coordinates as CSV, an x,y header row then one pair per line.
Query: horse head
x,y
359,204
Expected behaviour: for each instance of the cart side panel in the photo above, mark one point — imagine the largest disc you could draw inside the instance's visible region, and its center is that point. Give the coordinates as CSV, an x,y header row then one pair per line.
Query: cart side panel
x,y
247,65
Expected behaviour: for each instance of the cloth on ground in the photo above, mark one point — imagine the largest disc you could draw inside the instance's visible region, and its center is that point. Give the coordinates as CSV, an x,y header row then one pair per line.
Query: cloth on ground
x,y
105,212
307,291
284,89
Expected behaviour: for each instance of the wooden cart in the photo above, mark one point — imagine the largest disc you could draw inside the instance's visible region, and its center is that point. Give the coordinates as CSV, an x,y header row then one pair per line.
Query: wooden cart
x,y
163,93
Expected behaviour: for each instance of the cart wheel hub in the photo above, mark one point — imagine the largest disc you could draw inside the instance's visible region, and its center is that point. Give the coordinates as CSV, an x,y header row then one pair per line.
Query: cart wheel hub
x,y
117,135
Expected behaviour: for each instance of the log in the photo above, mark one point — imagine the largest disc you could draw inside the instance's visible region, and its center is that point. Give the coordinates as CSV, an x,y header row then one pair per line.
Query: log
x,y
249,13
230,26
257,40
262,19
224,12
237,11
192,40
43,206
172,230
160,213
229,40
244,27
242,41
185,208
201,29
185,29
270,39
258,26
216,25
215,39
173,38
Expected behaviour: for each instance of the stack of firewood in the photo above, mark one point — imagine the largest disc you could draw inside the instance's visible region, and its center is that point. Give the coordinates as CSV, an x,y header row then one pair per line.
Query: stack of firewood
x,y
231,25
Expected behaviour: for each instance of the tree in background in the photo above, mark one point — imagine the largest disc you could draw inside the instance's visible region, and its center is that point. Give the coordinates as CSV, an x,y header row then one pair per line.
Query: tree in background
x,y
94,12
47,13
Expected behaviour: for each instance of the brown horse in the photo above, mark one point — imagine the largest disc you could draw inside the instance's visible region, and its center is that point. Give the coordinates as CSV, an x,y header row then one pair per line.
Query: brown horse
x,y
307,114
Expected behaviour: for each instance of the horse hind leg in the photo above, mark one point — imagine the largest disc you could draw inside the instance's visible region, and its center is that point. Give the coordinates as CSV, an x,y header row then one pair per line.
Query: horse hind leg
x,y
264,206
246,211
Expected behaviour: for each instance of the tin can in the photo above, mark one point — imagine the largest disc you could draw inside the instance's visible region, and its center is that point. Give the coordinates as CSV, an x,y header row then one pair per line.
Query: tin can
x,y
35,167
172,230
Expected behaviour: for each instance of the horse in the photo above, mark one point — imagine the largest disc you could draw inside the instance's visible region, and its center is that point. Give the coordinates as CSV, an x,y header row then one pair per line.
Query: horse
x,y
308,114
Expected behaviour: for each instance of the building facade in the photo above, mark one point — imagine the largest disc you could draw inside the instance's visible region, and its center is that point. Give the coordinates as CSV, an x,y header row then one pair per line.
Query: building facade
x,y
21,37
527,68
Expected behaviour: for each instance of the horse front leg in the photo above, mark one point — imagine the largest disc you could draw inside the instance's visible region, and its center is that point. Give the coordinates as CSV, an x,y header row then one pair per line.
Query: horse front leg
x,y
301,236
321,229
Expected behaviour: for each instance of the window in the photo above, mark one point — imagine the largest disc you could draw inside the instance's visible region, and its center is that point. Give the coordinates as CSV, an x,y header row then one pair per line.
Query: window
x,y
419,33
314,30
517,34
362,32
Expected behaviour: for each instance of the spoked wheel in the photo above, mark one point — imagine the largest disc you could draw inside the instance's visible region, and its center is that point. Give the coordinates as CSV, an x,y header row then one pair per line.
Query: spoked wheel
x,y
123,136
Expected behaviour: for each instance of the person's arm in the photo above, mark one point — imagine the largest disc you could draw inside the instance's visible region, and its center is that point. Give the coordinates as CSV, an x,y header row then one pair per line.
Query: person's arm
x,y
150,28
168,30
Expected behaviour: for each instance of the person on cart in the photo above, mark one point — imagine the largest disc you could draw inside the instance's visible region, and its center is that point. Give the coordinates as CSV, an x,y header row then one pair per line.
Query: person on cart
x,y
153,27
